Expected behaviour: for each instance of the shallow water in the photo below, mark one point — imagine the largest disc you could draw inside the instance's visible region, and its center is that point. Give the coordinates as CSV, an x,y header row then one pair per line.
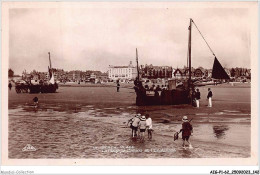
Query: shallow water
x,y
63,129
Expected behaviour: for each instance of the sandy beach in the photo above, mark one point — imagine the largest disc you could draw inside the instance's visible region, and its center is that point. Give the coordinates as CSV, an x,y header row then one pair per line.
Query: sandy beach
x,y
90,122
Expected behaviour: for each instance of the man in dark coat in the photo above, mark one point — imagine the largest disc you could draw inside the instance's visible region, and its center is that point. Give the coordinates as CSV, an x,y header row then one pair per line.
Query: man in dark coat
x,y
186,131
197,98
117,86
10,85
209,97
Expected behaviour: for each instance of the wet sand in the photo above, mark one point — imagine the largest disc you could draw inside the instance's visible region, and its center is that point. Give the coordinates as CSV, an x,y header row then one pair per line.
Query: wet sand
x,y
90,122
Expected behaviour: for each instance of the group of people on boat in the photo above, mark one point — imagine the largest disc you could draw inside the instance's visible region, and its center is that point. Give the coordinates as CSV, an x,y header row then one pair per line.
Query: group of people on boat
x,y
156,88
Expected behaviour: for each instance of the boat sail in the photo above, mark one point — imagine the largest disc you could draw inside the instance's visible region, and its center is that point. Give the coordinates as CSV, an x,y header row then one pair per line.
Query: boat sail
x,y
175,95
218,72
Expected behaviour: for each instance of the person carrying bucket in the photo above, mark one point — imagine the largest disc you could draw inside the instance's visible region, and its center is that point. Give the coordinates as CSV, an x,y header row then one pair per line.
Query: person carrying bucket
x,y
186,131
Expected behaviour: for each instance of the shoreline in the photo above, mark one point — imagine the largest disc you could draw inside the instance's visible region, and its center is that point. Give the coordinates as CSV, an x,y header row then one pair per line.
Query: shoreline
x,y
131,85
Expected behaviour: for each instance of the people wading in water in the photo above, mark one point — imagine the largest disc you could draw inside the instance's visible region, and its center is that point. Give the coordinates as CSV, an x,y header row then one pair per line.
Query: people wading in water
x,y
186,131
142,126
149,126
135,125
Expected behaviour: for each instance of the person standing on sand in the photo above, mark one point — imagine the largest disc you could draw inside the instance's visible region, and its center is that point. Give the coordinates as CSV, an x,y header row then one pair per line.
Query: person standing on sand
x,y
35,102
135,125
149,126
186,131
142,126
197,98
117,86
209,97
10,85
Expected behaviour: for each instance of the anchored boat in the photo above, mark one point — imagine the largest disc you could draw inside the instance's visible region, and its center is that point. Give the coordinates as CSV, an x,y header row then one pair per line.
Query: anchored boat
x,y
175,94
45,87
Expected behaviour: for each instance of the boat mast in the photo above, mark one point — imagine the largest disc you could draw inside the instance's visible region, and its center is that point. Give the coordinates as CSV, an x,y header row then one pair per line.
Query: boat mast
x,y
50,59
137,65
189,80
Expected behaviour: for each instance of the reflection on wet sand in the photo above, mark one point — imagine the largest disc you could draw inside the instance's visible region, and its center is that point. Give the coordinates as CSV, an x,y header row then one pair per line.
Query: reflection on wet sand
x,y
219,130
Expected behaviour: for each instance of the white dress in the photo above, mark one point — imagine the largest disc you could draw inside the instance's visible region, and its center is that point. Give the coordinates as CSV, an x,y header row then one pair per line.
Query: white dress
x,y
149,123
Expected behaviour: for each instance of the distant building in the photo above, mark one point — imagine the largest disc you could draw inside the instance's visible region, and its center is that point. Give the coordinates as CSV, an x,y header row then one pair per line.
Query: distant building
x,y
43,76
248,73
177,74
198,73
122,72
206,73
173,71
154,72
232,72
74,75
58,74
227,71
103,77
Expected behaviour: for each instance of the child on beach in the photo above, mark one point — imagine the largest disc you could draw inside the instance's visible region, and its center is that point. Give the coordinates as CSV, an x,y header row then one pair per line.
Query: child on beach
x,y
186,131
142,126
149,126
130,121
135,125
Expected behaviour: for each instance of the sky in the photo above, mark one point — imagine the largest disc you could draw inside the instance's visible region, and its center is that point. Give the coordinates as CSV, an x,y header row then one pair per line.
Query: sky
x,y
92,39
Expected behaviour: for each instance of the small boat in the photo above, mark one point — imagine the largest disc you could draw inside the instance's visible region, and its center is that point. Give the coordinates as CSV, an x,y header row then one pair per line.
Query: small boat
x,y
175,94
47,87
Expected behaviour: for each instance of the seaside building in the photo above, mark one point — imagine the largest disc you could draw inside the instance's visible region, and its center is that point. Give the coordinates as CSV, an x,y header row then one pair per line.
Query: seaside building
x,y
122,72
198,73
177,74
154,72
74,75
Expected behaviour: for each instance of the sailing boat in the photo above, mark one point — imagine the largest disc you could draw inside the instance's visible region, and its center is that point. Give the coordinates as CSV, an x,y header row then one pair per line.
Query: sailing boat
x,y
175,95
48,87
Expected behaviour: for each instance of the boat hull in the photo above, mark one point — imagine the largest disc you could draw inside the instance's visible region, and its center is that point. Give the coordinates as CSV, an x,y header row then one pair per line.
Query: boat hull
x,y
165,97
50,88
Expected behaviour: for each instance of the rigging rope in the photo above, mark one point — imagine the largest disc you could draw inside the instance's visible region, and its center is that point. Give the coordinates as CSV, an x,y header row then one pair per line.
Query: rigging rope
x,y
204,38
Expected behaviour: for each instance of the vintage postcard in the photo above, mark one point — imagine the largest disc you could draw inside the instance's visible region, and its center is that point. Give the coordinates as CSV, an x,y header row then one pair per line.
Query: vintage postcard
x,y
129,83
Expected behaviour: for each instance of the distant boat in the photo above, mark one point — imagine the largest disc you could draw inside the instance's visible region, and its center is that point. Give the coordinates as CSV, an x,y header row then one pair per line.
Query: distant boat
x,y
174,94
45,87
